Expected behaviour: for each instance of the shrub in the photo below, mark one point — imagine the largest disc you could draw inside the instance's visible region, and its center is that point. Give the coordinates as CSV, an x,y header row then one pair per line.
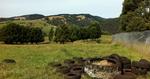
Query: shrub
x,y
14,33
66,33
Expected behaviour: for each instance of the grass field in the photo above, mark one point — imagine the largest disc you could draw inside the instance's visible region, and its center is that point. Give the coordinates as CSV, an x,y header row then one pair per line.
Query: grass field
x,y
32,60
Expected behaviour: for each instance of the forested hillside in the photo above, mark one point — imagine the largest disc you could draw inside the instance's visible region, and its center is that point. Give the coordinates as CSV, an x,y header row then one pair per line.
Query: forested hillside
x,y
109,26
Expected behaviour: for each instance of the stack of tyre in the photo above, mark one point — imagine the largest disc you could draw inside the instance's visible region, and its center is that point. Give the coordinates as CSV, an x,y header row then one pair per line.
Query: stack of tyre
x,y
70,68
141,67
129,70
74,68
122,62
124,66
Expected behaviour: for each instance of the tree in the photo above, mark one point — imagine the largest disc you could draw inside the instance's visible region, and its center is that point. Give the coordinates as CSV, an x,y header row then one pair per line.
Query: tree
x,y
71,33
125,19
15,33
129,5
84,34
74,32
94,30
137,24
36,35
51,34
135,15
62,34
11,33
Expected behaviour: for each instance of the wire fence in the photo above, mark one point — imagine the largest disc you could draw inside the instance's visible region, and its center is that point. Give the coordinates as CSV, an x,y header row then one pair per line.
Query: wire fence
x,y
132,37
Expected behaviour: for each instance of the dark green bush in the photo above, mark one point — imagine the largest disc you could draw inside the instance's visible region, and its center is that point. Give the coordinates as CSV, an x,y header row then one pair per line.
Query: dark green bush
x,y
67,33
14,33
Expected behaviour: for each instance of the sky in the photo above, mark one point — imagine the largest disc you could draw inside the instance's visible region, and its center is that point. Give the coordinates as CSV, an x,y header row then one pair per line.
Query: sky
x,y
102,8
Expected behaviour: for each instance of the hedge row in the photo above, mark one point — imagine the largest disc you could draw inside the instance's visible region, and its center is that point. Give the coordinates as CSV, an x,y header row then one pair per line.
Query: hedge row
x,y
14,33
67,33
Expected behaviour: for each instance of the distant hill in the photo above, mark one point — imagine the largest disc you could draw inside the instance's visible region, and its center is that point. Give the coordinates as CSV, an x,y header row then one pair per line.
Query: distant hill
x,y
81,20
30,17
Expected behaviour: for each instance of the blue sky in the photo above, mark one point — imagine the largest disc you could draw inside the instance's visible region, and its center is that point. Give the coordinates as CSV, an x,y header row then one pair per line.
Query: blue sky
x,y
103,8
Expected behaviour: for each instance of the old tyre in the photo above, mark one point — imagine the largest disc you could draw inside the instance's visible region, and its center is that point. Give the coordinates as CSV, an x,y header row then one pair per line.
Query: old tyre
x,y
115,56
135,70
9,61
69,62
127,76
118,63
78,69
72,76
126,63
143,71
63,69
54,64
77,59
134,64
144,64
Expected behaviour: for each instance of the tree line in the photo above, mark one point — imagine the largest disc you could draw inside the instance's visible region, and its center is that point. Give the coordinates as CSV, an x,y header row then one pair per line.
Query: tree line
x,y
15,33
71,33
18,34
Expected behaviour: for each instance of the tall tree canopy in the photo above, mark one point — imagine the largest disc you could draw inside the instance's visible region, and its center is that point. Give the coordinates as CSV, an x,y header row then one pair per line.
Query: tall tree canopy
x,y
135,15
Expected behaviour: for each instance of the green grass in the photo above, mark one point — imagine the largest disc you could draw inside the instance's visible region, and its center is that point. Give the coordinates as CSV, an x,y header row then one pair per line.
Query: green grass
x,y
32,60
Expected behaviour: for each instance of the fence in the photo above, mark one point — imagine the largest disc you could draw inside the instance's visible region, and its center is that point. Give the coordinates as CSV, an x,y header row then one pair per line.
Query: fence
x,y
132,37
